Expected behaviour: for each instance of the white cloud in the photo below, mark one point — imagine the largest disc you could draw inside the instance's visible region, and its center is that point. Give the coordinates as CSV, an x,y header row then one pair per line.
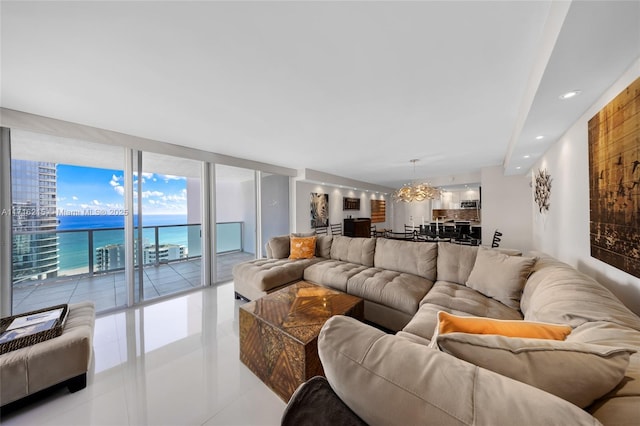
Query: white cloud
x,y
167,178
119,189
181,196
96,203
145,176
147,194
74,198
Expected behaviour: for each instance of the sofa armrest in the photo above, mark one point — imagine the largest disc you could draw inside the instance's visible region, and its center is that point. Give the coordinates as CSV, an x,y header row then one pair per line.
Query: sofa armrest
x,y
386,379
315,403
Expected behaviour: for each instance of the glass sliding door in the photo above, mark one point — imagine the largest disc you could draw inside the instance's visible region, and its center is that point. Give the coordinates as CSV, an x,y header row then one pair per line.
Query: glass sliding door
x,y
235,231
67,222
168,243
274,207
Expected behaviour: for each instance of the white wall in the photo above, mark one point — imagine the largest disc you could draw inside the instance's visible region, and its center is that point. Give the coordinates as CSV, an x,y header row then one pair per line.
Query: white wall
x,y
235,202
506,206
275,207
410,213
563,232
336,214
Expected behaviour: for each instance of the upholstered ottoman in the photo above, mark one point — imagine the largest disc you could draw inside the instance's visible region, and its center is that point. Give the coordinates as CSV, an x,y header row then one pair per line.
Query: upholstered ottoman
x,y
62,359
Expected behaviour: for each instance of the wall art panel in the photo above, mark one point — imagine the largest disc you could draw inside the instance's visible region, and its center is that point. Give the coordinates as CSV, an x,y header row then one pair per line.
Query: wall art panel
x,y
614,181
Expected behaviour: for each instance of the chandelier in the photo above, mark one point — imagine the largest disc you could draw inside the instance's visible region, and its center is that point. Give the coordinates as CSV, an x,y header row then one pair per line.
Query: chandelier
x,y
411,192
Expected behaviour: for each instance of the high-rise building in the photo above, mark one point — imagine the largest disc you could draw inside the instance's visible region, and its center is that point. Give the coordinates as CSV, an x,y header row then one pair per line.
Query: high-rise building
x,y
164,253
112,256
35,247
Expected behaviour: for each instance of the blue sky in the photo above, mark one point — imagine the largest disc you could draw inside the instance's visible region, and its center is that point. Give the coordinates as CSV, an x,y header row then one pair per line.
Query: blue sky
x,y
101,191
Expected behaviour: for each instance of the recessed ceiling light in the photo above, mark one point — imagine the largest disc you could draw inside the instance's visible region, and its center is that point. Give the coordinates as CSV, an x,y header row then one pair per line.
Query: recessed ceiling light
x,y
518,168
539,137
570,94
526,156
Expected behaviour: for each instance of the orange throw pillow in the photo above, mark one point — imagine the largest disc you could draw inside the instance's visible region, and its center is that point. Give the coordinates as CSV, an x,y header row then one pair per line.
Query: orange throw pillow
x,y
448,323
302,247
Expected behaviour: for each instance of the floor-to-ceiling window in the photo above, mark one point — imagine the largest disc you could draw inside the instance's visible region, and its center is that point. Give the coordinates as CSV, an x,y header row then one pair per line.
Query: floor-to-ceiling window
x,y
67,222
167,211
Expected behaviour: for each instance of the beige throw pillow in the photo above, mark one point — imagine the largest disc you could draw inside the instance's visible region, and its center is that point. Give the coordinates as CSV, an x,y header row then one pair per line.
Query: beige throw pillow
x,y
280,246
500,276
577,372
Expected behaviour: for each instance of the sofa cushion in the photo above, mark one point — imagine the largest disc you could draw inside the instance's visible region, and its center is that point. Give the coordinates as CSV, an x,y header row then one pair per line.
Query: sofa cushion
x,y
390,288
448,323
456,299
323,246
332,273
388,380
556,292
267,274
455,262
606,333
406,256
279,247
500,276
577,372
302,247
353,250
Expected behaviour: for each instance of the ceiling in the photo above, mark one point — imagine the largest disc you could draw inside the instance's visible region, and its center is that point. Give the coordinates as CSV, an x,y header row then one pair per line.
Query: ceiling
x,y
354,89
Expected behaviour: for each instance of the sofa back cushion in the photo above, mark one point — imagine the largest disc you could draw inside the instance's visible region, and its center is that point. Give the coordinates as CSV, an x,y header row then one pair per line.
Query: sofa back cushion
x,y
500,276
407,256
353,250
556,292
278,247
323,246
455,262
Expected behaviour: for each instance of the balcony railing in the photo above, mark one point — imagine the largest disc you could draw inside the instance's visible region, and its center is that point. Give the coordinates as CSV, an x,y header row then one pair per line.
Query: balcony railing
x,y
99,250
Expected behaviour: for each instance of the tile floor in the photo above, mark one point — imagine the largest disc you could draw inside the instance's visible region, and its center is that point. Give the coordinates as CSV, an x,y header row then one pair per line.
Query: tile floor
x,y
108,291
175,362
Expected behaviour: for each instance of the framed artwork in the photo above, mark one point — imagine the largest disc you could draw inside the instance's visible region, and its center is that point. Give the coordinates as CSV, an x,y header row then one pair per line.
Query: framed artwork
x,y
350,203
319,210
378,211
614,181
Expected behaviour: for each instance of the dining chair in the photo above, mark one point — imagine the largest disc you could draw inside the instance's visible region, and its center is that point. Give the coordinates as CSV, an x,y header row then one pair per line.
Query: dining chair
x,y
321,230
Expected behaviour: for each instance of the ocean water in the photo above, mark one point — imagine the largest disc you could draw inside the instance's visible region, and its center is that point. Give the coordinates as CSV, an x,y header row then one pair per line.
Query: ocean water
x,y
74,246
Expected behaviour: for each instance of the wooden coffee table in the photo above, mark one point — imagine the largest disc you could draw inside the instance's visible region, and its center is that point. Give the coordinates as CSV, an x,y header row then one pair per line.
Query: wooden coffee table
x,y
279,333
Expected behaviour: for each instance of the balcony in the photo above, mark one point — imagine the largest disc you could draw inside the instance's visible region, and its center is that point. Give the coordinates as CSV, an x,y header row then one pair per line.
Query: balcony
x,y
91,265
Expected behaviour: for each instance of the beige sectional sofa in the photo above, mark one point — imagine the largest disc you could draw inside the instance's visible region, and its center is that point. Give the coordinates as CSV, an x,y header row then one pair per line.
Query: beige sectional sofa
x,y
417,376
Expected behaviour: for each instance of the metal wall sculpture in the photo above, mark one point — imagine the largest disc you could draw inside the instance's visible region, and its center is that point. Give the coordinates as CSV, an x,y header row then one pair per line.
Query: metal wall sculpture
x,y
614,181
319,210
542,190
